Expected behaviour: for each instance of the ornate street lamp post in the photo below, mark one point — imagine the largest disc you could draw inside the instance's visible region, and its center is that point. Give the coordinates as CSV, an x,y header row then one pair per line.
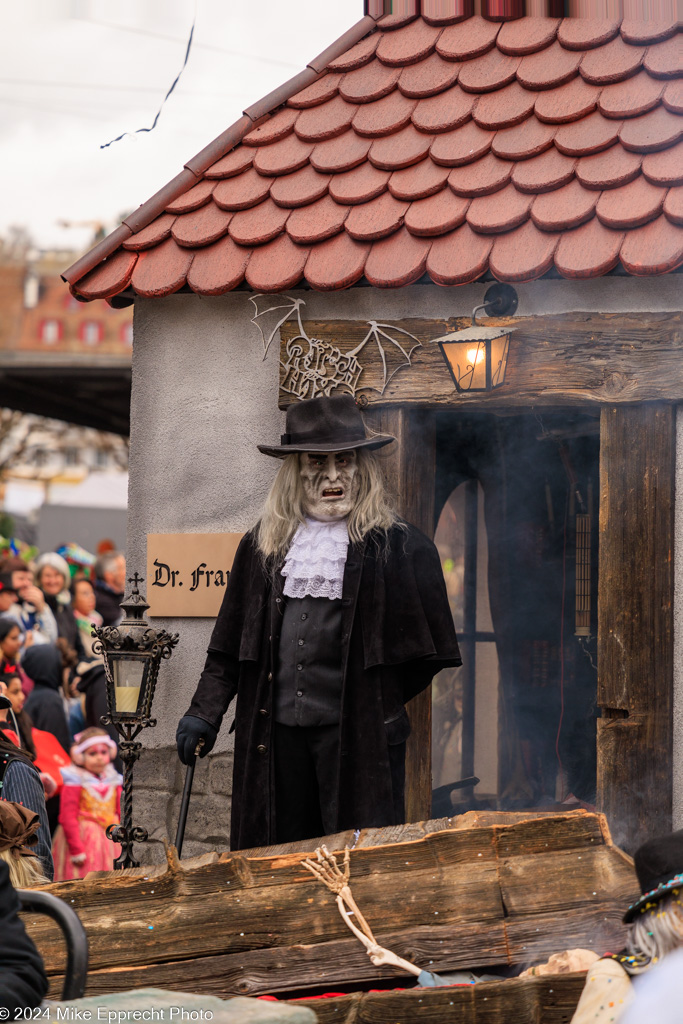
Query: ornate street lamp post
x,y
132,654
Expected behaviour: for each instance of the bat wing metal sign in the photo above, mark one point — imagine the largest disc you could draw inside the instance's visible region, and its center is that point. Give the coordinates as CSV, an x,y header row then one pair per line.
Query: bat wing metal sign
x,y
312,367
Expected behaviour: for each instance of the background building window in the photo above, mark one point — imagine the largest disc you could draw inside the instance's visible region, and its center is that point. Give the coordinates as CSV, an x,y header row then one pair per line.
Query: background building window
x,y
91,332
126,333
50,331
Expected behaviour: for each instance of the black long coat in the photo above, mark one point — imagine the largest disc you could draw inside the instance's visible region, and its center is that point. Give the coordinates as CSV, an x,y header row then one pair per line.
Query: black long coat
x,y
397,633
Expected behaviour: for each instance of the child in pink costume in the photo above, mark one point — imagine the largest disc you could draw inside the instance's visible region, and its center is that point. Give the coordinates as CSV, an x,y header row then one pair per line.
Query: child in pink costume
x,y
90,801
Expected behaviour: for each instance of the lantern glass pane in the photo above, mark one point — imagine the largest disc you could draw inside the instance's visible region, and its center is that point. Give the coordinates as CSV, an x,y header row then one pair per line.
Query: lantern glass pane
x,y
499,357
128,675
467,360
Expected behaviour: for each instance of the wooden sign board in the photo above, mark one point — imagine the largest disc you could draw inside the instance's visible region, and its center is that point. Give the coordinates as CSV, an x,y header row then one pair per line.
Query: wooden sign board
x,y
187,572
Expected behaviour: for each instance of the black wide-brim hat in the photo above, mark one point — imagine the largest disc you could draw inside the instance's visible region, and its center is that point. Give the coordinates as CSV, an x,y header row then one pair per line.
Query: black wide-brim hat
x,y
325,425
659,866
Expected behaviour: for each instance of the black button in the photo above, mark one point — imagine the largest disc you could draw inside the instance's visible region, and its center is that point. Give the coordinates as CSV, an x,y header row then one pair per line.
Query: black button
x,y
345,637
301,643
270,677
346,602
352,565
261,748
263,712
299,668
299,693
304,616
270,639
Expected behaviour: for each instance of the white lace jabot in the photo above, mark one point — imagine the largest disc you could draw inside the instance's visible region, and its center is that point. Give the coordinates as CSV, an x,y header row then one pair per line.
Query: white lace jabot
x,y
315,562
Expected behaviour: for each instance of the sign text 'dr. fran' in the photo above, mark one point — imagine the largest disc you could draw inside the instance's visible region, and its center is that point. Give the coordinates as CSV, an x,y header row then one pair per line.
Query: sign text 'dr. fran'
x,y
187,572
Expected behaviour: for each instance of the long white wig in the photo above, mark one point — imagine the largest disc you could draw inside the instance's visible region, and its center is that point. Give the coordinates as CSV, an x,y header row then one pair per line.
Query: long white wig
x,y
655,933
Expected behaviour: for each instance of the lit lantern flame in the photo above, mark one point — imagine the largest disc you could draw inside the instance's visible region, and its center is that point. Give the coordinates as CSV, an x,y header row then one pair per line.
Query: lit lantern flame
x,y
475,355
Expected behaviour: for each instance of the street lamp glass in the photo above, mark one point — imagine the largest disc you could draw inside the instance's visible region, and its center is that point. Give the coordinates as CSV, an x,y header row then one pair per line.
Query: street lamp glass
x,y
129,675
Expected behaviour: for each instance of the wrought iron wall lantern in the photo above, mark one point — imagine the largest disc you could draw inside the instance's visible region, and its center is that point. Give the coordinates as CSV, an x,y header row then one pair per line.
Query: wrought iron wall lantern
x,y
132,653
477,356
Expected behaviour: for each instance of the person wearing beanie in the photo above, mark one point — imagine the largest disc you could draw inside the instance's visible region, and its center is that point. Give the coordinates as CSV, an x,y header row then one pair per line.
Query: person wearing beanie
x,y
54,579
45,703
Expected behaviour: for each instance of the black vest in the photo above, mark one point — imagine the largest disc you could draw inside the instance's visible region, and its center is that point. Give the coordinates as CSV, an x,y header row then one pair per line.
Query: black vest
x,y
308,677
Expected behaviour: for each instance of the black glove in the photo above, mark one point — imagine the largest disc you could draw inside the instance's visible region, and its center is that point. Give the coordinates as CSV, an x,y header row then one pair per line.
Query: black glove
x,y
188,734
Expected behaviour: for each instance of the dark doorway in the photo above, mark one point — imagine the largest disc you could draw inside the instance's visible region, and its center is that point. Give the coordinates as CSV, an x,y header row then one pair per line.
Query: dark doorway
x,y
517,530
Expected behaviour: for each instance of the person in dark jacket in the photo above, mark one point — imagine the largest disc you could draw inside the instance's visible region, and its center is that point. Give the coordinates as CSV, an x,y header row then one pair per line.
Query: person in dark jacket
x,y
45,703
334,617
110,581
54,579
20,783
23,982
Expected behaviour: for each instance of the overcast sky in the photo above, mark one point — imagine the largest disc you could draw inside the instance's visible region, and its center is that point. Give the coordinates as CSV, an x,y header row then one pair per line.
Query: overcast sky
x,y
76,73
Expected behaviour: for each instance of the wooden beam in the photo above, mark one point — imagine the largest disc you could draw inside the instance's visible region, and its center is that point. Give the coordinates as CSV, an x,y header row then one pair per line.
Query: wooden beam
x,y
410,471
635,620
569,359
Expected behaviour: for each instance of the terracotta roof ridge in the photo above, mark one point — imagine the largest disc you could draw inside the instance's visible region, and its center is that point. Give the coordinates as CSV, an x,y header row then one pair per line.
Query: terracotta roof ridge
x,y
220,147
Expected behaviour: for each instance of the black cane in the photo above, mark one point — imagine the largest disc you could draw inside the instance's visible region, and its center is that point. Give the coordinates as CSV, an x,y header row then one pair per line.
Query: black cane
x,y
185,802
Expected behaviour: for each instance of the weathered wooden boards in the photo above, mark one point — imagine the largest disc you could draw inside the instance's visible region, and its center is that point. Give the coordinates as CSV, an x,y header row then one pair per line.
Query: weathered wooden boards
x,y
568,359
548,1000
457,898
635,629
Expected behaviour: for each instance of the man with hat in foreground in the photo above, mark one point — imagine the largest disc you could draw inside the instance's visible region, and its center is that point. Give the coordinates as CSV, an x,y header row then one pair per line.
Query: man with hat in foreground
x,y
334,617
655,930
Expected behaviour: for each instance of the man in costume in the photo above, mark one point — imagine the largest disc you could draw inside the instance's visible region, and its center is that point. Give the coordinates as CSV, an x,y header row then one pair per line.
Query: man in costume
x,y
334,617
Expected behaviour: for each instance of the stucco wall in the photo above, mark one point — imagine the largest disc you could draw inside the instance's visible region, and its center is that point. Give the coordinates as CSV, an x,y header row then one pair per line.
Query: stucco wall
x,y
202,397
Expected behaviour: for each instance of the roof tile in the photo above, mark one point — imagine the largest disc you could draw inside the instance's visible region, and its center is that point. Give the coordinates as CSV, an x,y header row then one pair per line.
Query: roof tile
x,y
360,185
300,188
154,233
666,59
193,199
276,127
591,134
376,219
358,55
673,205
609,169
638,32
504,108
407,12
459,257
405,147
665,168
544,173
202,226
258,225
527,35
565,208
461,146
656,248
314,223
277,265
340,154
384,116
419,181
324,89
491,71
325,121
110,277
632,97
442,12
612,62
337,263
631,205
239,193
437,214
283,157
673,96
397,261
586,33
549,68
234,163
445,111
369,83
218,268
650,132
523,255
482,177
500,212
524,140
162,270
429,77
467,39
408,45
589,251
568,102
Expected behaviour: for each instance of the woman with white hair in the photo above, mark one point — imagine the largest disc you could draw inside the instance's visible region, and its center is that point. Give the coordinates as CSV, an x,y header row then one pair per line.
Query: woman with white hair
x,y
335,616
54,579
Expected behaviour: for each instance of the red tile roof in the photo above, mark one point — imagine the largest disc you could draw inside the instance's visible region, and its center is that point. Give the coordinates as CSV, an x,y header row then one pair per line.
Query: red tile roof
x,y
445,151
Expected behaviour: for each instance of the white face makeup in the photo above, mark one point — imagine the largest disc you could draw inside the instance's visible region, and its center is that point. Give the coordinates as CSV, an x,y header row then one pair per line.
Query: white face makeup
x,y
330,483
